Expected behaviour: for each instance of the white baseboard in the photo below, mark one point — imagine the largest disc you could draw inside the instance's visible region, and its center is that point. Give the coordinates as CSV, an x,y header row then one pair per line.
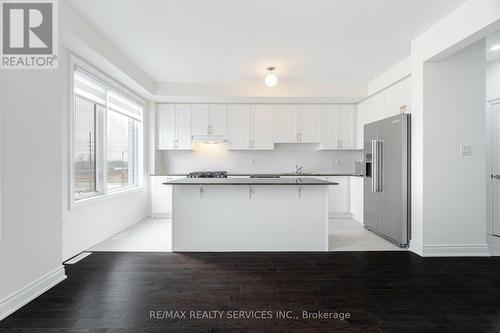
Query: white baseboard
x,y
25,295
416,248
473,250
340,215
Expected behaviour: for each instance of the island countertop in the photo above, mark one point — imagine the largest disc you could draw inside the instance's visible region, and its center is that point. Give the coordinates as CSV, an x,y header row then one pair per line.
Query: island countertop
x,y
250,181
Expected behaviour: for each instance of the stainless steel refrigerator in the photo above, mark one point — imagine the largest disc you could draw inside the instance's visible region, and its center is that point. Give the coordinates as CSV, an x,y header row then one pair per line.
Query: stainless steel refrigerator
x,y
387,178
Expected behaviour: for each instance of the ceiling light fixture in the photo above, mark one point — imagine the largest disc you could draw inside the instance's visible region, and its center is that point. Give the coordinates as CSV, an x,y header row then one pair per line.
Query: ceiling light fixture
x,y
271,78
495,47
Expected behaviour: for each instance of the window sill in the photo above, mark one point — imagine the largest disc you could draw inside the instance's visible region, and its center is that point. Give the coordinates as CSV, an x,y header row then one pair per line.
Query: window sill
x,y
105,197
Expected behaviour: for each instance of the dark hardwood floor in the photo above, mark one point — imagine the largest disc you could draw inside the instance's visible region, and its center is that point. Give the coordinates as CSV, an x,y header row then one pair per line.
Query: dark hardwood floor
x,y
382,292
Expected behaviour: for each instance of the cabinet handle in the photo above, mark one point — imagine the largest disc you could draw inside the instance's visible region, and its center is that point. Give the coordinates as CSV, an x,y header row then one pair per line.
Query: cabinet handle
x,y
251,143
299,136
209,129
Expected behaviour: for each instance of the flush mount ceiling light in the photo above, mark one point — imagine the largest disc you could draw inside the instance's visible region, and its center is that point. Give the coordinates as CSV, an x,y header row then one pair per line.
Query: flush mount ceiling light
x,y
271,78
495,47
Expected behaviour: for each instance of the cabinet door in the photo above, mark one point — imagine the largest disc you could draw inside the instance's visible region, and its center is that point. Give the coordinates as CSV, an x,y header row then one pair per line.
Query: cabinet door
x,y
166,126
338,196
161,196
393,99
218,119
285,123
239,127
183,117
376,107
200,119
361,116
356,198
346,127
262,127
407,94
309,123
329,126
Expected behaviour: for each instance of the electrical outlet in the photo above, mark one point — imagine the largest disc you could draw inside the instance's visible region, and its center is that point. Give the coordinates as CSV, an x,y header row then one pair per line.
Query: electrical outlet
x,y
465,150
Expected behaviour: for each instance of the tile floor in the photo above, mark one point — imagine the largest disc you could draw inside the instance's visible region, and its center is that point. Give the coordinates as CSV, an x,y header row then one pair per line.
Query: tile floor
x,y
350,235
148,235
154,235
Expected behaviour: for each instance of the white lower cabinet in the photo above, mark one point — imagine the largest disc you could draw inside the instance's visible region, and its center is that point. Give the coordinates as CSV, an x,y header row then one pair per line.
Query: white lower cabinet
x,y
161,196
356,198
338,196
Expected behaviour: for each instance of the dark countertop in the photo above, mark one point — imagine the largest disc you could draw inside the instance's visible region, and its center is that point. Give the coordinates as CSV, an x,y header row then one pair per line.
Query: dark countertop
x,y
250,181
291,174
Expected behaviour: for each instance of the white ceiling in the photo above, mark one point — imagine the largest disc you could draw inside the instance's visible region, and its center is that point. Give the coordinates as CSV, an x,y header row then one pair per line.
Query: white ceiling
x,y
235,40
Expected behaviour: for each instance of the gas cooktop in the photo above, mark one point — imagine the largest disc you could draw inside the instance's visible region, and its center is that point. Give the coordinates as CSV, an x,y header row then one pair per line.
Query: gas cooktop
x,y
208,174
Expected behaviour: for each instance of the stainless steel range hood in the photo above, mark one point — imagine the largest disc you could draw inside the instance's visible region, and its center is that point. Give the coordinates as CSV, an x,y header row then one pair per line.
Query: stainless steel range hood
x,y
208,138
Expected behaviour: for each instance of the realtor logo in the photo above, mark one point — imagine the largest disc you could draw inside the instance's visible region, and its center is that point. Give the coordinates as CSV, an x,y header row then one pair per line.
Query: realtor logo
x,y
29,38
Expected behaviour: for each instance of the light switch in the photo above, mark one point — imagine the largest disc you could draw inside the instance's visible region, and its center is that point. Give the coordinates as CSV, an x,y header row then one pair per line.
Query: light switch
x,y
465,150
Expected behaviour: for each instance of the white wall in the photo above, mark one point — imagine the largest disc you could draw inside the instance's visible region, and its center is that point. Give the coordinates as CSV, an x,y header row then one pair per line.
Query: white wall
x,y
31,131
394,74
282,159
454,185
493,80
91,222
445,38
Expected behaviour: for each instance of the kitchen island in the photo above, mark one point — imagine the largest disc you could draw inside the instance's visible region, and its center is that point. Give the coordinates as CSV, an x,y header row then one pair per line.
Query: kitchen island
x,y
249,214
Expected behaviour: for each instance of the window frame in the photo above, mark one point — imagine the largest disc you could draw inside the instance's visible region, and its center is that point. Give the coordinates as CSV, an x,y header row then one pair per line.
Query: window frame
x,y
111,87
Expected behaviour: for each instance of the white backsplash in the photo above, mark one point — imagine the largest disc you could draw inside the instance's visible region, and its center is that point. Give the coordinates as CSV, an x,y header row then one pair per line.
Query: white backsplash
x,y
282,159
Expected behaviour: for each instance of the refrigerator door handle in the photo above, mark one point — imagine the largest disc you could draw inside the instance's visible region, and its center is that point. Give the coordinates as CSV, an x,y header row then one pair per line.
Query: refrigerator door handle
x,y
377,165
374,166
380,165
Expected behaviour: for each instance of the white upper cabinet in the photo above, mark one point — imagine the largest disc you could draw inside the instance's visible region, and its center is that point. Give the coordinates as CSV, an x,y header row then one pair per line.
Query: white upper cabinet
x,y
407,94
346,127
329,126
166,126
338,127
250,127
285,123
309,123
174,127
200,119
386,103
218,119
209,119
183,117
394,100
239,127
294,123
262,137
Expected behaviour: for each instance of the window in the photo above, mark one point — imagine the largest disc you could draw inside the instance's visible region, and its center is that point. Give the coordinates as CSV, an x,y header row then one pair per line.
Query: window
x,y
107,136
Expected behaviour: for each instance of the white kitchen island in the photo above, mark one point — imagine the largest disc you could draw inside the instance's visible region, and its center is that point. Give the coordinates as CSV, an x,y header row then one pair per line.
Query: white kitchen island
x,y
249,214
